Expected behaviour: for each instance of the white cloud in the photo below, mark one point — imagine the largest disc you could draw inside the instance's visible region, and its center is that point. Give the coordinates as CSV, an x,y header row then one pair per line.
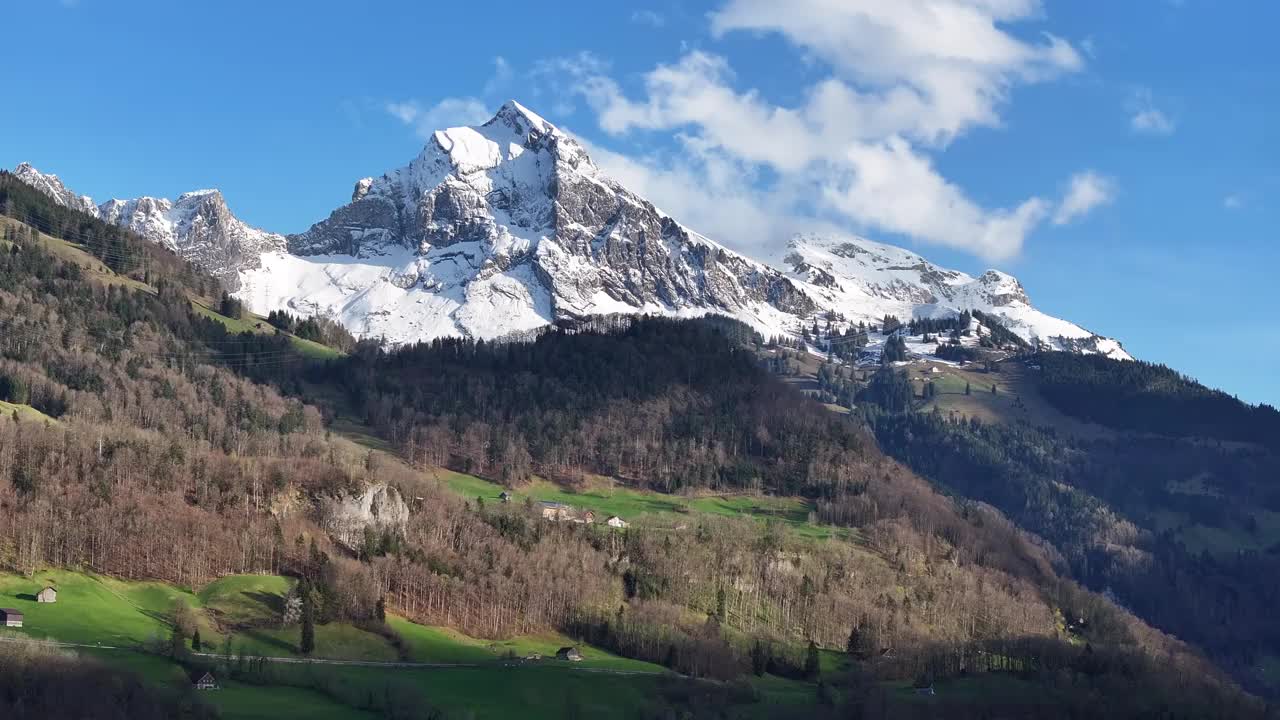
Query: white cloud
x,y
1146,118
1233,202
454,111
449,112
949,61
1086,192
890,187
648,17
904,79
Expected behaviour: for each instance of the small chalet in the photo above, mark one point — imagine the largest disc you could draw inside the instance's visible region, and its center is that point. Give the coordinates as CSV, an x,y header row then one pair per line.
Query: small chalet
x,y
12,618
47,595
203,680
587,516
923,689
504,497
569,653
616,522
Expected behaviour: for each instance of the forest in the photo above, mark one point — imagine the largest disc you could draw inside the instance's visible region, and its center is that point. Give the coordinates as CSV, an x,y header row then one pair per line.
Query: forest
x,y
1099,501
170,448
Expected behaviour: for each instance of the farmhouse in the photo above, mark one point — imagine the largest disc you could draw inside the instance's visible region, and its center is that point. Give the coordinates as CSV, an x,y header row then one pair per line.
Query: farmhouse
x,y
504,497
12,618
616,522
569,653
203,680
47,595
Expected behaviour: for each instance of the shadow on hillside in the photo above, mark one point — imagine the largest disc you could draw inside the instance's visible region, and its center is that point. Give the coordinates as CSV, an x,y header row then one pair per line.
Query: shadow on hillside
x,y
271,601
26,596
267,639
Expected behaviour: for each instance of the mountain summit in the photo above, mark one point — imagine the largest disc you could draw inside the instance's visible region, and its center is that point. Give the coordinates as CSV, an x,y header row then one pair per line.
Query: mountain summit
x,y
509,226
504,228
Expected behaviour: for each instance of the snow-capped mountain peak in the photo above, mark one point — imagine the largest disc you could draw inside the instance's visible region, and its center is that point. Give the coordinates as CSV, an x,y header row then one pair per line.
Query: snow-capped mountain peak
x,y
52,186
508,226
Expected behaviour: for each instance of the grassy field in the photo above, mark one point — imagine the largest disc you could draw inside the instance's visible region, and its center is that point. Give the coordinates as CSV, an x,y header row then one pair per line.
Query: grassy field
x,y
606,498
1221,540
90,609
442,645
1016,398
259,326
73,253
239,701
25,412
979,688
245,599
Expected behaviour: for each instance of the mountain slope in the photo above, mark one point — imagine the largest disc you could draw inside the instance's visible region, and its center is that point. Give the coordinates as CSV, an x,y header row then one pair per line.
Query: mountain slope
x,y
198,226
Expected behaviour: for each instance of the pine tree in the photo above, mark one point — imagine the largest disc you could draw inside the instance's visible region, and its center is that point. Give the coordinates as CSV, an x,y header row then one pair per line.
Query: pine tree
x,y
759,662
967,389
812,663
308,642
195,642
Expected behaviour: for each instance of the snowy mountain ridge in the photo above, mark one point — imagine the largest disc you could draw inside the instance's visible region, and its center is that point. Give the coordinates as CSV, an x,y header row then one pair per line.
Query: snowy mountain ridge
x,y
509,226
198,225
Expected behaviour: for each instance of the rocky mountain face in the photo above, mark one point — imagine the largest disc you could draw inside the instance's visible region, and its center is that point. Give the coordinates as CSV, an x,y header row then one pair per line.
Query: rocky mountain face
x,y
514,226
198,226
503,228
347,517
866,280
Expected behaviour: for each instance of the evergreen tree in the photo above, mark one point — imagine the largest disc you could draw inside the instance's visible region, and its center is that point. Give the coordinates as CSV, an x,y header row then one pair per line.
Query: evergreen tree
x,y
812,662
308,642
759,661
195,642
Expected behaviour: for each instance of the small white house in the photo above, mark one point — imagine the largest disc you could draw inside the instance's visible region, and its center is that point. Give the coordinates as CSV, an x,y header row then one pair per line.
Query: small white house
x,y
47,595
202,680
11,617
616,522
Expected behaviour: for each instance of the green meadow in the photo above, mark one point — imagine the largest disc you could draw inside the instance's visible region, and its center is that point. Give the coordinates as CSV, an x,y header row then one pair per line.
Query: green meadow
x,y
606,498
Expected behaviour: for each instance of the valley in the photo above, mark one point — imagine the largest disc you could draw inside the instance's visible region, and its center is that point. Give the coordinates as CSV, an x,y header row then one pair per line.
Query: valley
x,y
206,469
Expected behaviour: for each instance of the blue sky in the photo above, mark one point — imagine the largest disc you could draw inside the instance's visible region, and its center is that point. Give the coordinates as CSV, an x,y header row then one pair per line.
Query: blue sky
x,y
1115,156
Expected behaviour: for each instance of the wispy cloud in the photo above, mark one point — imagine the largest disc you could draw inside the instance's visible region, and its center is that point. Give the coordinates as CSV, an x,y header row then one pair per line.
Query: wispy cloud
x,y
1145,117
648,17
427,117
449,112
1233,202
501,78
857,147
1086,191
